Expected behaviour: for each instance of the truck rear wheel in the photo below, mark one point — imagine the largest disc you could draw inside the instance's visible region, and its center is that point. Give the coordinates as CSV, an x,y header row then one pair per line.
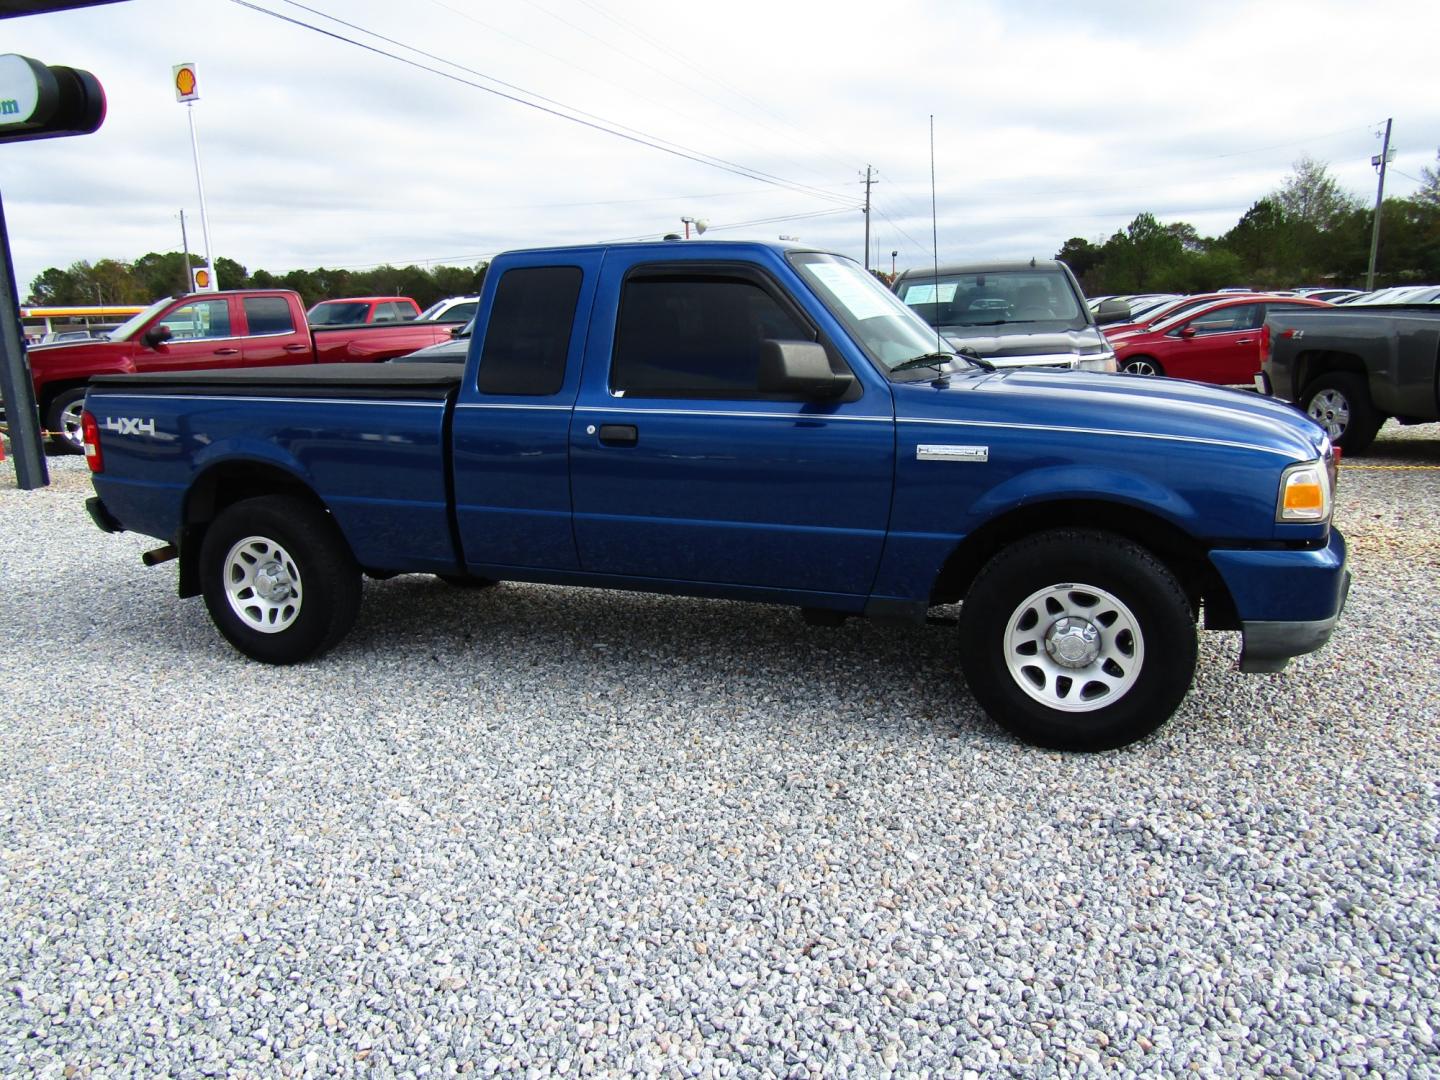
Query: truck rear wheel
x,y
1077,639
62,421
1339,401
279,580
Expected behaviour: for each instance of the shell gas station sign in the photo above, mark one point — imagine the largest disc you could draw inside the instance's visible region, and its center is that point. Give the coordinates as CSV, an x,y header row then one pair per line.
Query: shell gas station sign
x,y
186,85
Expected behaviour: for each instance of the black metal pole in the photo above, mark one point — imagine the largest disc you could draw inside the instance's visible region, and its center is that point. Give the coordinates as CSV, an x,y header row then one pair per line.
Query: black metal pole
x,y
16,389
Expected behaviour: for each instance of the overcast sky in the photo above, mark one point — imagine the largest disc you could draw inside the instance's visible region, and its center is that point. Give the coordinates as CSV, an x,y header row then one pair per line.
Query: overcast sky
x,y
1051,120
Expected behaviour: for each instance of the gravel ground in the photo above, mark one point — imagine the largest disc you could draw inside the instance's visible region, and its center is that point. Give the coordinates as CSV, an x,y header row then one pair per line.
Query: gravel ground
x,y
542,831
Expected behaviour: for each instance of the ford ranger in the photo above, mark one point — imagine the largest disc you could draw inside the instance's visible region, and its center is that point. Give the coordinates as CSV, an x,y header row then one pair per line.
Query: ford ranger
x,y
241,328
753,422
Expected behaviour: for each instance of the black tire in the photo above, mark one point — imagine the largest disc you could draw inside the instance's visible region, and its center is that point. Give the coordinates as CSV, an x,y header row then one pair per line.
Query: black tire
x,y
1339,401
1121,624
1142,365
292,551
62,421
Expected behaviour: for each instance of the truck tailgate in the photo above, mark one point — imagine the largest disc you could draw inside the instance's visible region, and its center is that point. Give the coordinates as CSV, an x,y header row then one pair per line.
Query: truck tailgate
x,y
369,439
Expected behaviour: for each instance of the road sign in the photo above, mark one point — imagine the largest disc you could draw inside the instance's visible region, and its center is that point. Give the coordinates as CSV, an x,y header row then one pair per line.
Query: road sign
x,y
186,87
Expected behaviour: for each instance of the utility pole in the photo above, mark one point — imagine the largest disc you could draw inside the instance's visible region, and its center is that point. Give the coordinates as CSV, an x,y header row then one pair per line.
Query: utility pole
x,y
1382,160
868,183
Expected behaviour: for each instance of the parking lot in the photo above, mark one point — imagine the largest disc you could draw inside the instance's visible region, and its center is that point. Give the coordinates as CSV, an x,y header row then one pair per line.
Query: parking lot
x,y
538,830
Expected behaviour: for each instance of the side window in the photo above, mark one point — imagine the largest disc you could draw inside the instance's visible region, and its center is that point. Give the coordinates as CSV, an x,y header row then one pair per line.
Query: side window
x,y
269,315
386,312
200,319
527,336
696,335
1238,317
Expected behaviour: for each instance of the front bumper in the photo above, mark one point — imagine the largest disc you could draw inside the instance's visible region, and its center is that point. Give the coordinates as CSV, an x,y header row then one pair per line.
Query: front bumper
x,y
1289,601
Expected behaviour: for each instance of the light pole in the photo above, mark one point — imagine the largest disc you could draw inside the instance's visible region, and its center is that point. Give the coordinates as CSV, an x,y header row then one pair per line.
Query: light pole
x,y
187,92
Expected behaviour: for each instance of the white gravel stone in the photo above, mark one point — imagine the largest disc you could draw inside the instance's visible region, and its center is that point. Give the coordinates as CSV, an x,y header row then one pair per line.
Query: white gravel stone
x,y
536,831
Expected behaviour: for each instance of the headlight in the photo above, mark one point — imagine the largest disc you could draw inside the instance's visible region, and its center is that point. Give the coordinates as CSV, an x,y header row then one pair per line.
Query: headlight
x,y
1103,360
1304,494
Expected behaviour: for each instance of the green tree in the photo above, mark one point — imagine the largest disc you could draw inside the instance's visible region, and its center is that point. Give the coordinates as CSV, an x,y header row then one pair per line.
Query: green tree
x,y
1429,192
1312,196
1142,258
1081,256
1264,241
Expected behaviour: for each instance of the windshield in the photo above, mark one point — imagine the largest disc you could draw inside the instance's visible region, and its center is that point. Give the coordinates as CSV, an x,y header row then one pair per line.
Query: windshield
x,y
886,329
994,298
337,312
127,329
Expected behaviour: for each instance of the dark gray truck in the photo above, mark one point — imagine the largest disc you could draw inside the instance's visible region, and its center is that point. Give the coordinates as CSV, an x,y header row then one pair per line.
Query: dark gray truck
x,y
1013,314
1352,368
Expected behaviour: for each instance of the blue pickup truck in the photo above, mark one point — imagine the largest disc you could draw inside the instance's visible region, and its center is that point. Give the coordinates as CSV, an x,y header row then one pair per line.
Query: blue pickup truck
x,y
752,422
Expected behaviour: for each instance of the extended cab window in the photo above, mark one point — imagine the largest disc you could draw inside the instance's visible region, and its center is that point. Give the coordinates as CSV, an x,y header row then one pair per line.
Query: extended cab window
x,y
269,315
696,335
200,319
527,336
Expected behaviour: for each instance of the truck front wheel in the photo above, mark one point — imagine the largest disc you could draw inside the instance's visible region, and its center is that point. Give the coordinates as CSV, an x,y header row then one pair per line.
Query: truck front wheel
x,y
1077,639
1339,401
279,580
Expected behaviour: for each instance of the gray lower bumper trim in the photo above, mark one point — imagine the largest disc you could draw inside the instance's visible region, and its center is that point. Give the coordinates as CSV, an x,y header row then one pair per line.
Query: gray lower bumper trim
x,y
1268,646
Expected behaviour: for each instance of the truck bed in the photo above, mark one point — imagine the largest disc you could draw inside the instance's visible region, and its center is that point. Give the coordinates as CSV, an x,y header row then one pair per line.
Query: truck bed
x,y
321,423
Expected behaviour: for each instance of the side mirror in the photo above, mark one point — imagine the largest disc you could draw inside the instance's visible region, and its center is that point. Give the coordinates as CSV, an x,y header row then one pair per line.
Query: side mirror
x,y
1187,332
1112,311
158,335
802,368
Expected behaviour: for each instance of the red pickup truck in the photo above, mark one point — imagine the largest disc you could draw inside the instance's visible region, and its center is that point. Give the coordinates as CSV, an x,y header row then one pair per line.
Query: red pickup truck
x,y
243,328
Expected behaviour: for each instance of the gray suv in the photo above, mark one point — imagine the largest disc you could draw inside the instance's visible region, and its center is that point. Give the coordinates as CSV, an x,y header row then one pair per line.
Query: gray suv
x,y
1013,314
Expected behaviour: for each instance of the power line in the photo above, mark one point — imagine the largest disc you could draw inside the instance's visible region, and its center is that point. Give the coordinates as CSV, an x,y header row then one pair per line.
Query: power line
x,y
598,124
617,128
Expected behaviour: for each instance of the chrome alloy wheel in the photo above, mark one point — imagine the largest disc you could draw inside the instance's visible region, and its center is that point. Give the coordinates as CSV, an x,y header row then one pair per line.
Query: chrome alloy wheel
x,y
262,584
1331,411
1140,367
70,427
1074,647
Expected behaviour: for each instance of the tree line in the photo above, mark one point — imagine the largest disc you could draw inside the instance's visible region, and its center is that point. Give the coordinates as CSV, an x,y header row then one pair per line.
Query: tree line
x,y
111,281
1307,232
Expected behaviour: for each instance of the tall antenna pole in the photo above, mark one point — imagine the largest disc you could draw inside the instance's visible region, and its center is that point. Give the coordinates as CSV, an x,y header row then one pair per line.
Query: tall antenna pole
x,y
1382,161
935,238
868,182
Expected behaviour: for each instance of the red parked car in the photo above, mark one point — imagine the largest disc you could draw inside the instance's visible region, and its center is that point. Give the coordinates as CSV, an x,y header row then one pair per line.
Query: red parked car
x,y
238,328
1218,343
1180,305
353,310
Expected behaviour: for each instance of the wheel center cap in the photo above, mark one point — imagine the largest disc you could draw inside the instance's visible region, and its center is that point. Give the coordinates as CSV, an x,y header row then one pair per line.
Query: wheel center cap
x,y
272,583
1072,642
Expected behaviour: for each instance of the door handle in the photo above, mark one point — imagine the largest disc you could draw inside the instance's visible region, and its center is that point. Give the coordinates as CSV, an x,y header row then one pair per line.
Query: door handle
x,y
619,434
297,347
227,352
1245,341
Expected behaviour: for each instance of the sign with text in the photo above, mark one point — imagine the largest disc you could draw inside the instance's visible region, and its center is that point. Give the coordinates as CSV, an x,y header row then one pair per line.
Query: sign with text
x,y
41,102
